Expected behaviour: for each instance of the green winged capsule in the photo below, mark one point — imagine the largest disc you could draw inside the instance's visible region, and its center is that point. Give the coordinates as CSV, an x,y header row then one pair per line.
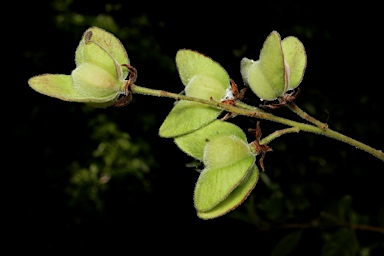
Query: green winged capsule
x,y
99,76
203,78
193,143
235,198
255,79
227,160
280,67
296,59
190,63
105,40
95,83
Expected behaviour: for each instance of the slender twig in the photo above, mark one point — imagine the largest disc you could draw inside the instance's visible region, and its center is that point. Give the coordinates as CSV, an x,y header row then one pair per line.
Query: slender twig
x,y
277,134
294,108
255,112
241,104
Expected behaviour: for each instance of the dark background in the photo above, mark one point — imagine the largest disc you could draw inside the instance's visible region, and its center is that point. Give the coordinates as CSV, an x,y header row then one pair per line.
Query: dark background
x,y
147,203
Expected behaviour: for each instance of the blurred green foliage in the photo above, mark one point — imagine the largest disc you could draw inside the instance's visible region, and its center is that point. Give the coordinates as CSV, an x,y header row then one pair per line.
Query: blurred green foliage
x,y
115,159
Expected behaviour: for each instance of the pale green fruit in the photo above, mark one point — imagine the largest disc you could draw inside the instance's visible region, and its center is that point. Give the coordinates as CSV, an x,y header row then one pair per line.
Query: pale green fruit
x,y
245,65
266,77
205,87
227,161
95,54
96,83
57,86
280,67
105,40
225,150
190,63
98,78
235,198
272,63
204,79
258,82
296,59
193,143
188,116
62,87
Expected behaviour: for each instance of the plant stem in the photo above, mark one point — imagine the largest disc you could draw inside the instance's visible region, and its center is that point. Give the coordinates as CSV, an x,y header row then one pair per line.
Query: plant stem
x,y
277,134
243,109
294,108
246,106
